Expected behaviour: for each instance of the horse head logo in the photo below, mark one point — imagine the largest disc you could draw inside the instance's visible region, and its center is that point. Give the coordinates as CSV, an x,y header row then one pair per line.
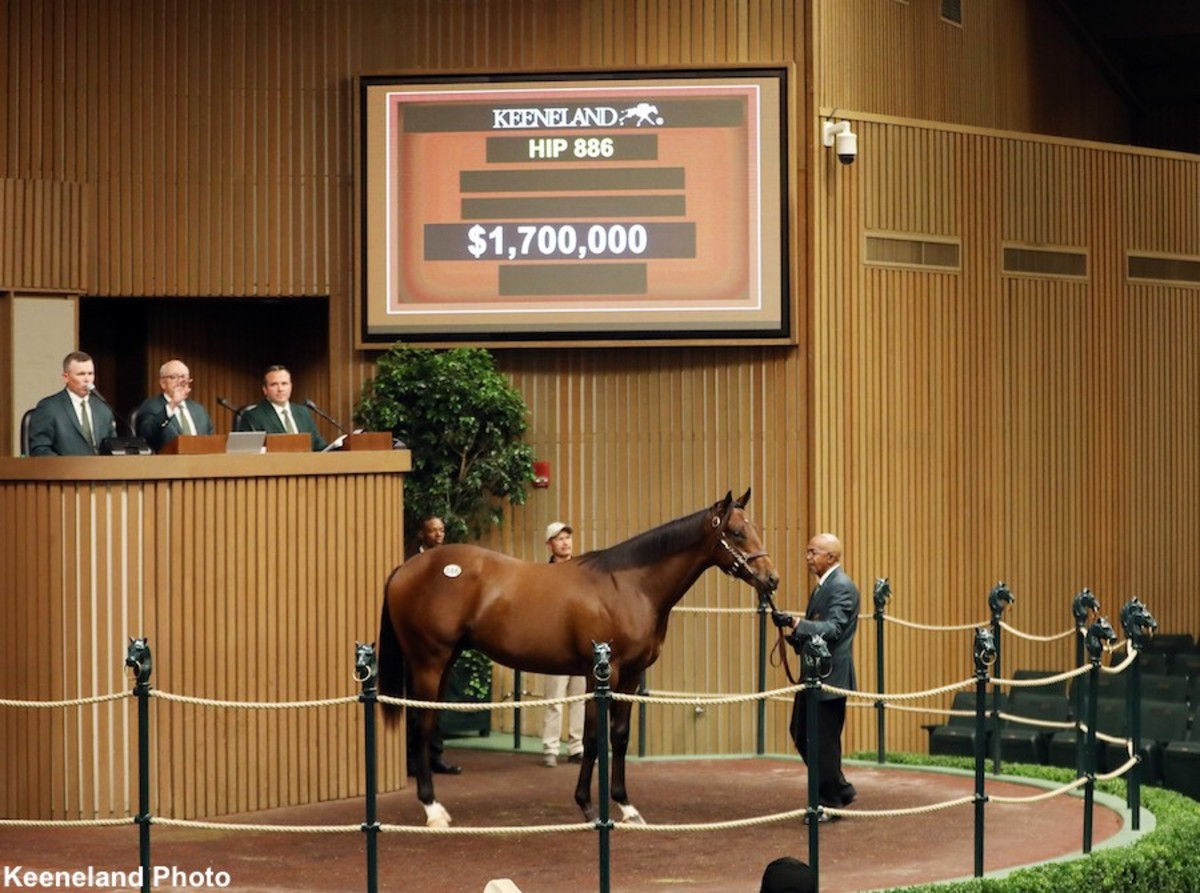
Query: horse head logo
x,y
642,113
1138,623
1083,605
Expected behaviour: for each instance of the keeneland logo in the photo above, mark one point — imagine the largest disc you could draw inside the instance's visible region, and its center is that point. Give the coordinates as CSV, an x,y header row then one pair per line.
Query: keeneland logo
x,y
575,116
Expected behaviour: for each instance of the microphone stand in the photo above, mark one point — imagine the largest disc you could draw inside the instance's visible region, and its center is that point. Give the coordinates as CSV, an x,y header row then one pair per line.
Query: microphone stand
x,y
325,416
93,392
237,414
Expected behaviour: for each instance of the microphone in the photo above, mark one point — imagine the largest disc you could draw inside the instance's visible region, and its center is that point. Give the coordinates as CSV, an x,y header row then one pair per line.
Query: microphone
x,y
237,413
91,389
323,415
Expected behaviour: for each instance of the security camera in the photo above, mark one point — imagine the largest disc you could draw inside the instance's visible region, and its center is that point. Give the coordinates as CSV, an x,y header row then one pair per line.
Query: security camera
x,y
839,137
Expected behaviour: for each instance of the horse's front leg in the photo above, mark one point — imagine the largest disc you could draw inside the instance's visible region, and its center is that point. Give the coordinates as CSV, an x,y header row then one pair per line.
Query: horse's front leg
x,y
619,732
620,745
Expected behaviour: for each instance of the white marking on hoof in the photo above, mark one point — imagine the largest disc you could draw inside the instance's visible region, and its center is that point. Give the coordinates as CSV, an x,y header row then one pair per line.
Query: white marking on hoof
x,y
436,815
632,816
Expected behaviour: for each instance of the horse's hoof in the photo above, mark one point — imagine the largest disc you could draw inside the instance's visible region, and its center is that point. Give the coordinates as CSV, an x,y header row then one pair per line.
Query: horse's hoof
x,y
591,813
630,815
436,815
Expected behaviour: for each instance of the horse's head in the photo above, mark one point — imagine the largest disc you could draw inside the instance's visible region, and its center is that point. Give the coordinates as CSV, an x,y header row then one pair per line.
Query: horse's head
x,y
1138,623
739,549
1085,601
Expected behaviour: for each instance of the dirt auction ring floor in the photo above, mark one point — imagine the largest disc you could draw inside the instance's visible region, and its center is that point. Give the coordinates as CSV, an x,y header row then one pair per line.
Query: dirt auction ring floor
x,y
507,788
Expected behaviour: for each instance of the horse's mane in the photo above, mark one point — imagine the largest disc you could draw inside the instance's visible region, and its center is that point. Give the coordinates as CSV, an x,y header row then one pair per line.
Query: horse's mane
x,y
649,547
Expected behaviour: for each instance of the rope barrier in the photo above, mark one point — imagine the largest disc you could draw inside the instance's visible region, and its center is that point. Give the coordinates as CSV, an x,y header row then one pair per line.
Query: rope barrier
x,y
252,705
686,610
913,625
71,702
480,705
64,823
239,826
906,811
1045,795
459,831
727,825
1032,638
1043,680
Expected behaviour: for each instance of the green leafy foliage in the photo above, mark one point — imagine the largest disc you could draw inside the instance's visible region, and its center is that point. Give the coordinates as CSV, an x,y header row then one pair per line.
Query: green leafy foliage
x,y
465,424
1166,860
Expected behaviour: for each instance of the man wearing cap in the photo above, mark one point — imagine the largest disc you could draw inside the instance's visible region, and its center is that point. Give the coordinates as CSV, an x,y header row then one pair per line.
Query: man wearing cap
x,y
558,541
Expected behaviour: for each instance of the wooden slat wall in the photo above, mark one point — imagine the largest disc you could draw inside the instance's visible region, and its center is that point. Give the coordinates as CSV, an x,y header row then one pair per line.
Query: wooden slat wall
x,y
249,589
1005,428
43,235
955,428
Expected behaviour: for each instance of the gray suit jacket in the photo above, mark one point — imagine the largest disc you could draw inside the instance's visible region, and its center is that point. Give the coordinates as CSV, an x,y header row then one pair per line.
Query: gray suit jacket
x,y
833,614
54,429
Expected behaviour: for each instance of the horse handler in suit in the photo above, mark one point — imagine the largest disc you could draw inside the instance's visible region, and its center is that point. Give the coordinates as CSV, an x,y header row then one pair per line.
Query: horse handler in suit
x,y
70,423
276,414
832,613
162,418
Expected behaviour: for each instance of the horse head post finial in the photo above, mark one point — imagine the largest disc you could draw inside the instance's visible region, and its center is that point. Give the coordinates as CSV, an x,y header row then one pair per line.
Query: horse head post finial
x,y
999,598
602,662
366,666
882,594
1139,624
1100,638
985,651
818,662
139,659
1083,605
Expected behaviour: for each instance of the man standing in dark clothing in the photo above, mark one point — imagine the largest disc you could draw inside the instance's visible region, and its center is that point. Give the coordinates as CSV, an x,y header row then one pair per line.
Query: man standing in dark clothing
x,y
832,613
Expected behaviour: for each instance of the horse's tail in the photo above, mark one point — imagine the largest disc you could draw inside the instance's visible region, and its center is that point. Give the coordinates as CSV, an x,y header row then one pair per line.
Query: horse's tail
x,y
392,670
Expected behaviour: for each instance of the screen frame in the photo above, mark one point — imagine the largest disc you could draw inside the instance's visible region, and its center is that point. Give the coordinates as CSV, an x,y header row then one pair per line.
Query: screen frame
x,y
770,322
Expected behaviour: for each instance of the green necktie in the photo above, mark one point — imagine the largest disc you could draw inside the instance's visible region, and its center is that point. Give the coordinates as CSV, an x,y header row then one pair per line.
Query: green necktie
x,y
185,424
85,422
288,424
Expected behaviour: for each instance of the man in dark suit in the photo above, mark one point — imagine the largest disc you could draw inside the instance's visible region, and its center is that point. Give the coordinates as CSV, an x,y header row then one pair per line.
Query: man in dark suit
x,y
70,423
832,613
162,418
276,414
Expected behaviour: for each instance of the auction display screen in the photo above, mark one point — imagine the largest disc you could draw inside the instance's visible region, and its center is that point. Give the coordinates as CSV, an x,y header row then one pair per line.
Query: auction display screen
x,y
602,207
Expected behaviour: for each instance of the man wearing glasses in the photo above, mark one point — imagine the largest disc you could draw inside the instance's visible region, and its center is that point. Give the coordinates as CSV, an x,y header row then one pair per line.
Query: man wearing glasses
x,y
162,418
832,613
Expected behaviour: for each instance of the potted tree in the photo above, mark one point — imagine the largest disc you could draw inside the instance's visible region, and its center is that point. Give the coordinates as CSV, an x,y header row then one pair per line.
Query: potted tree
x,y
465,424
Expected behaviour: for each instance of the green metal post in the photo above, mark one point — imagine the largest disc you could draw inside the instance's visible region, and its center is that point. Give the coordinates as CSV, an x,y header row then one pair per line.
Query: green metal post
x,y
760,740
366,671
1000,597
141,661
814,650
881,594
985,656
602,670
1099,634
642,690
517,712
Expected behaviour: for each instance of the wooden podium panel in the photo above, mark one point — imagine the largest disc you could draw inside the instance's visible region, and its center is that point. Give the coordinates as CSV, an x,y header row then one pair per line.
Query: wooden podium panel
x,y
252,576
368,440
289,443
194,445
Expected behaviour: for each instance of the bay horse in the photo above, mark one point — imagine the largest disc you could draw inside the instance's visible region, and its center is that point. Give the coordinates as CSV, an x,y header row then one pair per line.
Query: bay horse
x,y
544,618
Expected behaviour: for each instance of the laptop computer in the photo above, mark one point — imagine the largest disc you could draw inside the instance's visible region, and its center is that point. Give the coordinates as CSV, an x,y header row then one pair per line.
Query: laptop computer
x,y
245,441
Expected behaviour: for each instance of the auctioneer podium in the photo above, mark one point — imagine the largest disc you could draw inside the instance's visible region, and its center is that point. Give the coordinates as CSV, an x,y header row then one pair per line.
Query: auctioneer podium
x,y
251,575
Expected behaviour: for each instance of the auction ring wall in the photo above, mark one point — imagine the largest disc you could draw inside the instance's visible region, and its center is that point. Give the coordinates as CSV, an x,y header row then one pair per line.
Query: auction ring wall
x,y
248,574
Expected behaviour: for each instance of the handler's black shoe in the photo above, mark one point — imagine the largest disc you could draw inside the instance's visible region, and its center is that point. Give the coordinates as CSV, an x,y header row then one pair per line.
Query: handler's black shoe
x,y
441,767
